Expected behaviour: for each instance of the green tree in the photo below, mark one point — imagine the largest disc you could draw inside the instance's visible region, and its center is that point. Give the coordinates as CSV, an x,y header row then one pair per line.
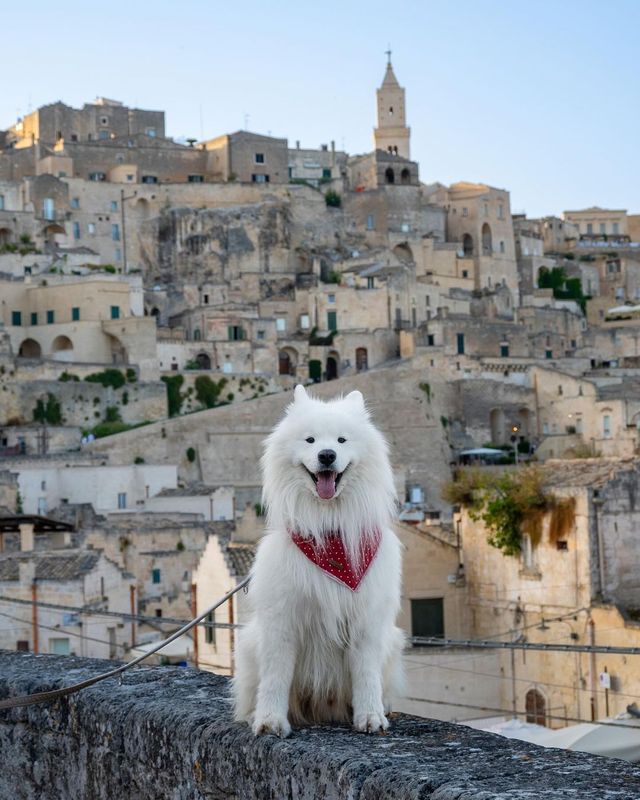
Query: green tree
x,y
175,397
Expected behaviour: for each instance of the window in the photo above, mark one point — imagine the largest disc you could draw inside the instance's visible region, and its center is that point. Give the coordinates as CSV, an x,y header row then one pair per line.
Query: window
x,y
500,211
427,617
59,647
431,340
606,426
603,227
548,353
502,247
51,317
115,312
504,350
122,499
195,179
205,299
74,137
326,173
589,228
259,178
115,232
259,158
97,176
236,333
76,230
465,273
331,299
150,132
48,208
114,205
304,321
261,335
104,120
371,223
103,135
22,646
332,320
75,314
485,209
227,367
197,336
75,202
616,228
42,506
117,254
130,177
465,212
16,317
281,323
460,343
34,317
91,228
158,612
149,179
527,552
210,631
1,202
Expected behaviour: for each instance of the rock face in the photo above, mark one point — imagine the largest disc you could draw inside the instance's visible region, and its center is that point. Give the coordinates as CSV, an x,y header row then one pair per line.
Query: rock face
x,y
167,733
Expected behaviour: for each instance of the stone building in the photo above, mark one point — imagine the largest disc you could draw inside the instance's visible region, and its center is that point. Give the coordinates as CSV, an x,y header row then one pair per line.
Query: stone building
x,y
596,222
392,134
248,158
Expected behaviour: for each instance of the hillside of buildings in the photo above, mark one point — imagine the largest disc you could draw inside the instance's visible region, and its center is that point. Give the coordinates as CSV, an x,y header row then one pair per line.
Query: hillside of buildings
x,y
160,300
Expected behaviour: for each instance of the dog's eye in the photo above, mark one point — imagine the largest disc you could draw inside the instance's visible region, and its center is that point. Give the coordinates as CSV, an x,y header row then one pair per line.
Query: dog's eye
x,y
310,440
341,439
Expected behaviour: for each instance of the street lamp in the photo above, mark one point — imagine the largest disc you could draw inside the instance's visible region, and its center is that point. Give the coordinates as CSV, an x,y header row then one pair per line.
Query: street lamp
x,y
514,439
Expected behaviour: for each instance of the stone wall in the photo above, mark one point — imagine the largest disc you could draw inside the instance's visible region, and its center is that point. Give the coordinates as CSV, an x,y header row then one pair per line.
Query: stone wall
x,y
167,732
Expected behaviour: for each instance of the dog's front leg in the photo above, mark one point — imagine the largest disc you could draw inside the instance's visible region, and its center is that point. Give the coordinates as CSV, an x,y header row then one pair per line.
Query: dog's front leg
x,y
366,663
277,661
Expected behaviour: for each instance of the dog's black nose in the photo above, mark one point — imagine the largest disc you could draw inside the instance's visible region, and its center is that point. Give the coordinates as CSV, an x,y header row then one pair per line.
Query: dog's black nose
x,y
327,457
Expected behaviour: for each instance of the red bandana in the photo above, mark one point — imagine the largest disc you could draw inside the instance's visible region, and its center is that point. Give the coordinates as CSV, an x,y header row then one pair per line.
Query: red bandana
x,y
333,559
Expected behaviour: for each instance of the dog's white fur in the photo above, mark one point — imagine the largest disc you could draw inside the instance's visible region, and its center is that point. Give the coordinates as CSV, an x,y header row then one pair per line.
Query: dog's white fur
x,y
314,650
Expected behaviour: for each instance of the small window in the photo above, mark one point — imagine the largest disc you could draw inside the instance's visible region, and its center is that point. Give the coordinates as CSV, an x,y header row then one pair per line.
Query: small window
x,y
259,178
460,343
16,317
465,273
48,208
331,299
150,132
465,212
74,137
500,211
149,179
371,223
115,312
115,232
603,227
59,646
589,228
616,229
158,612
22,646
103,135
502,247
304,322
281,323
104,120
371,282
130,177
236,333
195,179
91,228
75,202
561,544
51,317
259,158
427,618
260,335
210,631
34,317
75,314
114,205
76,230
122,499
504,350
97,176
431,340
548,354
117,254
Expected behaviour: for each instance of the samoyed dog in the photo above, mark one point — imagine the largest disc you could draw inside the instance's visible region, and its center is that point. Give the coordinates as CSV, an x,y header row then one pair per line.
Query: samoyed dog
x,y
321,643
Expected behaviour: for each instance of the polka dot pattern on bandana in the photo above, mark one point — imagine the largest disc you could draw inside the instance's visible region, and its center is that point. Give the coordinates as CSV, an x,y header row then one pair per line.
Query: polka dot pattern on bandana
x,y
332,558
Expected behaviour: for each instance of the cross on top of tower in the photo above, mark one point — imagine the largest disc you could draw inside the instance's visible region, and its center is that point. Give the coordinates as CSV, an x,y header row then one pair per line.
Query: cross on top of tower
x,y
388,54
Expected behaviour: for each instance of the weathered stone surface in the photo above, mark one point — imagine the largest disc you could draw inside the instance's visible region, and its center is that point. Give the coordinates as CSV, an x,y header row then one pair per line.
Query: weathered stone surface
x,y
167,733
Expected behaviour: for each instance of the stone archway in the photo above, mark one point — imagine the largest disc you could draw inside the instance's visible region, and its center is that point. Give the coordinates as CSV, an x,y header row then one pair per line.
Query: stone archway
x,y
203,360
62,348
287,361
389,175
467,244
119,354
405,176
30,349
332,368
5,236
362,359
404,253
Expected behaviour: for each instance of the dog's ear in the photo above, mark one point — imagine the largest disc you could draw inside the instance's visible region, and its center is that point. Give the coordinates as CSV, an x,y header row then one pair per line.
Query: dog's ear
x,y
300,394
355,398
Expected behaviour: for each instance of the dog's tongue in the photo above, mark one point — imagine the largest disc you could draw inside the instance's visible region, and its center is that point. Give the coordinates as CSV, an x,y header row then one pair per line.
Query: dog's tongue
x,y
326,485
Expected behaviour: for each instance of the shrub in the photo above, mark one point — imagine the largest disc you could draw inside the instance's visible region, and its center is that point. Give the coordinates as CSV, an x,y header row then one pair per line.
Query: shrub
x,y
125,398
138,460
175,397
109,268
132,376
48,411
208,391
108,377
67,376
332,199
426,388
112,414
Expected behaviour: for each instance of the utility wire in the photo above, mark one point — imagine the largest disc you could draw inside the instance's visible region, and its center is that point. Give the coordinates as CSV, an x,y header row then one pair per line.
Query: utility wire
x,y
550,648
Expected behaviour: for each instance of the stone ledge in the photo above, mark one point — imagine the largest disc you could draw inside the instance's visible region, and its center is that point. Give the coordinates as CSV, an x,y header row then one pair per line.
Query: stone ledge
x,y
167,733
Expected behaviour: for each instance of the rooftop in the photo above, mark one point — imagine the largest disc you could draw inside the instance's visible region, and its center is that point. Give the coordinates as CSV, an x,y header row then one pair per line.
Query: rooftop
x,y
62,565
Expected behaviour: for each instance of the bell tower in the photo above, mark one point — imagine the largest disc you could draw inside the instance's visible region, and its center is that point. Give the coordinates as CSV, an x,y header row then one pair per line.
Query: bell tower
x,y
392,134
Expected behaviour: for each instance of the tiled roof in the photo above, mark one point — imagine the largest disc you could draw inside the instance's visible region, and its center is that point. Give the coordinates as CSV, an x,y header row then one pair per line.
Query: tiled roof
x,y
241,557
586,472
64,566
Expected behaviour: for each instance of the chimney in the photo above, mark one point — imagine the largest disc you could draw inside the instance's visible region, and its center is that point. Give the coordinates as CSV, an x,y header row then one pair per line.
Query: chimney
x,y
26,535
248,528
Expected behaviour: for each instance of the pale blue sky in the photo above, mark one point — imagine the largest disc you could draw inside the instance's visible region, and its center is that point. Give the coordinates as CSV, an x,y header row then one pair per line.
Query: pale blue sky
x,y
541,98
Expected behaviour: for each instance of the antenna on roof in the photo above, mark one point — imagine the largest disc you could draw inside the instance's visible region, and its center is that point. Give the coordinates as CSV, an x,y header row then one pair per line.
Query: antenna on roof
x,y
246,122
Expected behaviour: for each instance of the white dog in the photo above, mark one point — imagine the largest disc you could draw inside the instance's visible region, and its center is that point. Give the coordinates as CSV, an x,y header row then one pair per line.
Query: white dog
x,y
321,644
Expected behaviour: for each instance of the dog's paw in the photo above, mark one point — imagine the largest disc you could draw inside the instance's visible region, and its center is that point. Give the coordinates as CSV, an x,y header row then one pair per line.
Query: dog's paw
x,y
371,722
271,723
